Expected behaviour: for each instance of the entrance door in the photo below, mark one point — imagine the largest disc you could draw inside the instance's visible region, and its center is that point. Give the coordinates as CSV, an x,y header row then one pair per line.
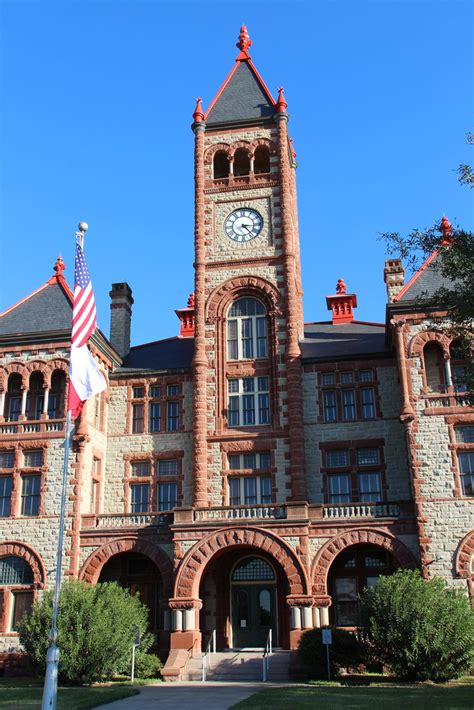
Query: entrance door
x,y
253,599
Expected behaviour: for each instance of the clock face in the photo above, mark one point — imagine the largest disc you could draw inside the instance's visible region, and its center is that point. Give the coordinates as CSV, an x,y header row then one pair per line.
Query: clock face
x,y
243,225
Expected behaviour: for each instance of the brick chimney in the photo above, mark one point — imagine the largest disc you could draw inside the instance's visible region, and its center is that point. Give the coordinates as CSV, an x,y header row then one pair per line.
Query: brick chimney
x,y
342,304
394,277
120,317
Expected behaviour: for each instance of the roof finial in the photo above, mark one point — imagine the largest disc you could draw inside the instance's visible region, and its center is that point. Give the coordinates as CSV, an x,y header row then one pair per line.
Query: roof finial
x,y
446,229
198,114
243,43
281,104
59,266
341,286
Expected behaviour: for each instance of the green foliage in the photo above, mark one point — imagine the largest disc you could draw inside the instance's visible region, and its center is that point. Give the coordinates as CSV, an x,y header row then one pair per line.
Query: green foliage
x,y
95,631
147,665
420,629
345,652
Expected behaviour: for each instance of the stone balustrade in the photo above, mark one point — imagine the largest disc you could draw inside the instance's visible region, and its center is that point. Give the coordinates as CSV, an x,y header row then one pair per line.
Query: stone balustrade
x,y
254,512
126,520
32,427
361,510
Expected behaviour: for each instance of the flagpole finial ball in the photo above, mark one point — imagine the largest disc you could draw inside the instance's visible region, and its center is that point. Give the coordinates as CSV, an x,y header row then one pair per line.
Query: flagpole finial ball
x,y
83,226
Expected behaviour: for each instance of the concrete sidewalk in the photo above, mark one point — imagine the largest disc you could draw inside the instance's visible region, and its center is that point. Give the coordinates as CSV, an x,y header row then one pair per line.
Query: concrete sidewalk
x,y
198,696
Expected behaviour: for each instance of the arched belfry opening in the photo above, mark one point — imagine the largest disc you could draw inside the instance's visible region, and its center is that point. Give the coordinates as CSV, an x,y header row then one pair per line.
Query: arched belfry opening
x,y
220,165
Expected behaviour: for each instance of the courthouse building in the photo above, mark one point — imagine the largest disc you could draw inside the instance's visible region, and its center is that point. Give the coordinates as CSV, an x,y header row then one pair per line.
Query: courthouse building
x,y
253,471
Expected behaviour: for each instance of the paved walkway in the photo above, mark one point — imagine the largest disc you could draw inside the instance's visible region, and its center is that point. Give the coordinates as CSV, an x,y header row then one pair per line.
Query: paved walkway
x,y
198,696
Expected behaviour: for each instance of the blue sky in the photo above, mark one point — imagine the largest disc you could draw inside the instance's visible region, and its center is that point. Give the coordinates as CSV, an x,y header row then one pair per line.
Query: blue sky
x,y
96,104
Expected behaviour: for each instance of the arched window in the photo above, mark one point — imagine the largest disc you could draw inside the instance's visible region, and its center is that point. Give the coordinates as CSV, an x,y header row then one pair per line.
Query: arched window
x,y
221,165
16,590
262,160
253,569
13,398
56,395
434,367
35,398
247,330
241,162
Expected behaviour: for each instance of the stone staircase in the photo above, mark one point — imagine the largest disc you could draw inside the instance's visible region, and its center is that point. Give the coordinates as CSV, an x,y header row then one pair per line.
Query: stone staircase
x,y
235,666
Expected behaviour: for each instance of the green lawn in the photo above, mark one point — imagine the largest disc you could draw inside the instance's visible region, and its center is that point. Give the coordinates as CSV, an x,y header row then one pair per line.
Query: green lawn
x,y
26,694
422,697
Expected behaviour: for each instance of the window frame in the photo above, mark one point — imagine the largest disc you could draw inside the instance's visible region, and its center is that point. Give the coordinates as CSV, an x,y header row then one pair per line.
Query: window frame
x,y
352,467
8,598
151,412
243,398
153,478
240,339
339,385
18,473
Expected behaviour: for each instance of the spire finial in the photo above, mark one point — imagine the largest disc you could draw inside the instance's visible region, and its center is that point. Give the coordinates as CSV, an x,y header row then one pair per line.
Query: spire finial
x,y
243,43
446,229
281,104
341,286
198,114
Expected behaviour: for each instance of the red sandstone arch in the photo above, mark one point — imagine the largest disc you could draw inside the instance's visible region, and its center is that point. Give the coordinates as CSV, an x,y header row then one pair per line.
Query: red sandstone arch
x,y
464,558
265,142
223,295
17,368
192,567
328,553
216,148
418,342
19,549
239,144
92,567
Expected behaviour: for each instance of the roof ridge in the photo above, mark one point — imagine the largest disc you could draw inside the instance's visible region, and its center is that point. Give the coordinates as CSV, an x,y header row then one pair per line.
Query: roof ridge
x,y
416,275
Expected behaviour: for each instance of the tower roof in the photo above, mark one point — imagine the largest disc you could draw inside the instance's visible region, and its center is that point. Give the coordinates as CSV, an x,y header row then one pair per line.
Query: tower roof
x,y
243,96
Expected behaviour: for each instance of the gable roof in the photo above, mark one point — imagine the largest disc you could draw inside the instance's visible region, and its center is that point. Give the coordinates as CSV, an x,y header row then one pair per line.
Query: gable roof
x,y
49,308
243,96
424,282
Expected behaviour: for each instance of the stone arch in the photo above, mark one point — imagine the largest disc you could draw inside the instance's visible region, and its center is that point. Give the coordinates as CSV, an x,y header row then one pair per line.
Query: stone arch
x,y
331,549
15,368
192,567
56,364
418,342
20,549
263,142
223,295
464,563
92,567
210,152
239,144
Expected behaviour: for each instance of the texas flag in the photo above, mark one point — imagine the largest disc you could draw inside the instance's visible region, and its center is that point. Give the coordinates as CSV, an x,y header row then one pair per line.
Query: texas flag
x,y
85,378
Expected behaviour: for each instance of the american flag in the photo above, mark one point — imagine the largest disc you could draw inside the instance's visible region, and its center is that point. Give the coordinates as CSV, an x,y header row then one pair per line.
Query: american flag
x,y
85,377
84,313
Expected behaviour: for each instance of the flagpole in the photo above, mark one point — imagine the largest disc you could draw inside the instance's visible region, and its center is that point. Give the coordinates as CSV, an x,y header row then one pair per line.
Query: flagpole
x,y
50,689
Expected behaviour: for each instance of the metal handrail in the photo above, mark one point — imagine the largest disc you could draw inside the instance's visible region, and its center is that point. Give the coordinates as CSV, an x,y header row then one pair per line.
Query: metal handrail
x,y
266,656
210,648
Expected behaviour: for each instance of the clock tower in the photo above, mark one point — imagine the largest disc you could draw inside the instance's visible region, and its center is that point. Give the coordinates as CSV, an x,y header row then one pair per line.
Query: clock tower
x,y
248,425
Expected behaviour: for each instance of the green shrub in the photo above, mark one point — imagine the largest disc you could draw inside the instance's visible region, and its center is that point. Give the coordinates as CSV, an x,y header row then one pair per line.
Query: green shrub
x,y
95,631
344,652
420,629
147,665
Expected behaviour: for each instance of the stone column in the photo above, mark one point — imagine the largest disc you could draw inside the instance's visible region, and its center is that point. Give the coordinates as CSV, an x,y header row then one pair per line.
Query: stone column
x,y
324,615
200,362
24,395
295,617
306,617
316,618
407,412
447,370
45,402
293,353
185,628
2,405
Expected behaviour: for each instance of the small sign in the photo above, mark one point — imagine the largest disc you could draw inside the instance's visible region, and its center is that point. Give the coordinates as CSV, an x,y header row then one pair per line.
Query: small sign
x,y
243,623
327,637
